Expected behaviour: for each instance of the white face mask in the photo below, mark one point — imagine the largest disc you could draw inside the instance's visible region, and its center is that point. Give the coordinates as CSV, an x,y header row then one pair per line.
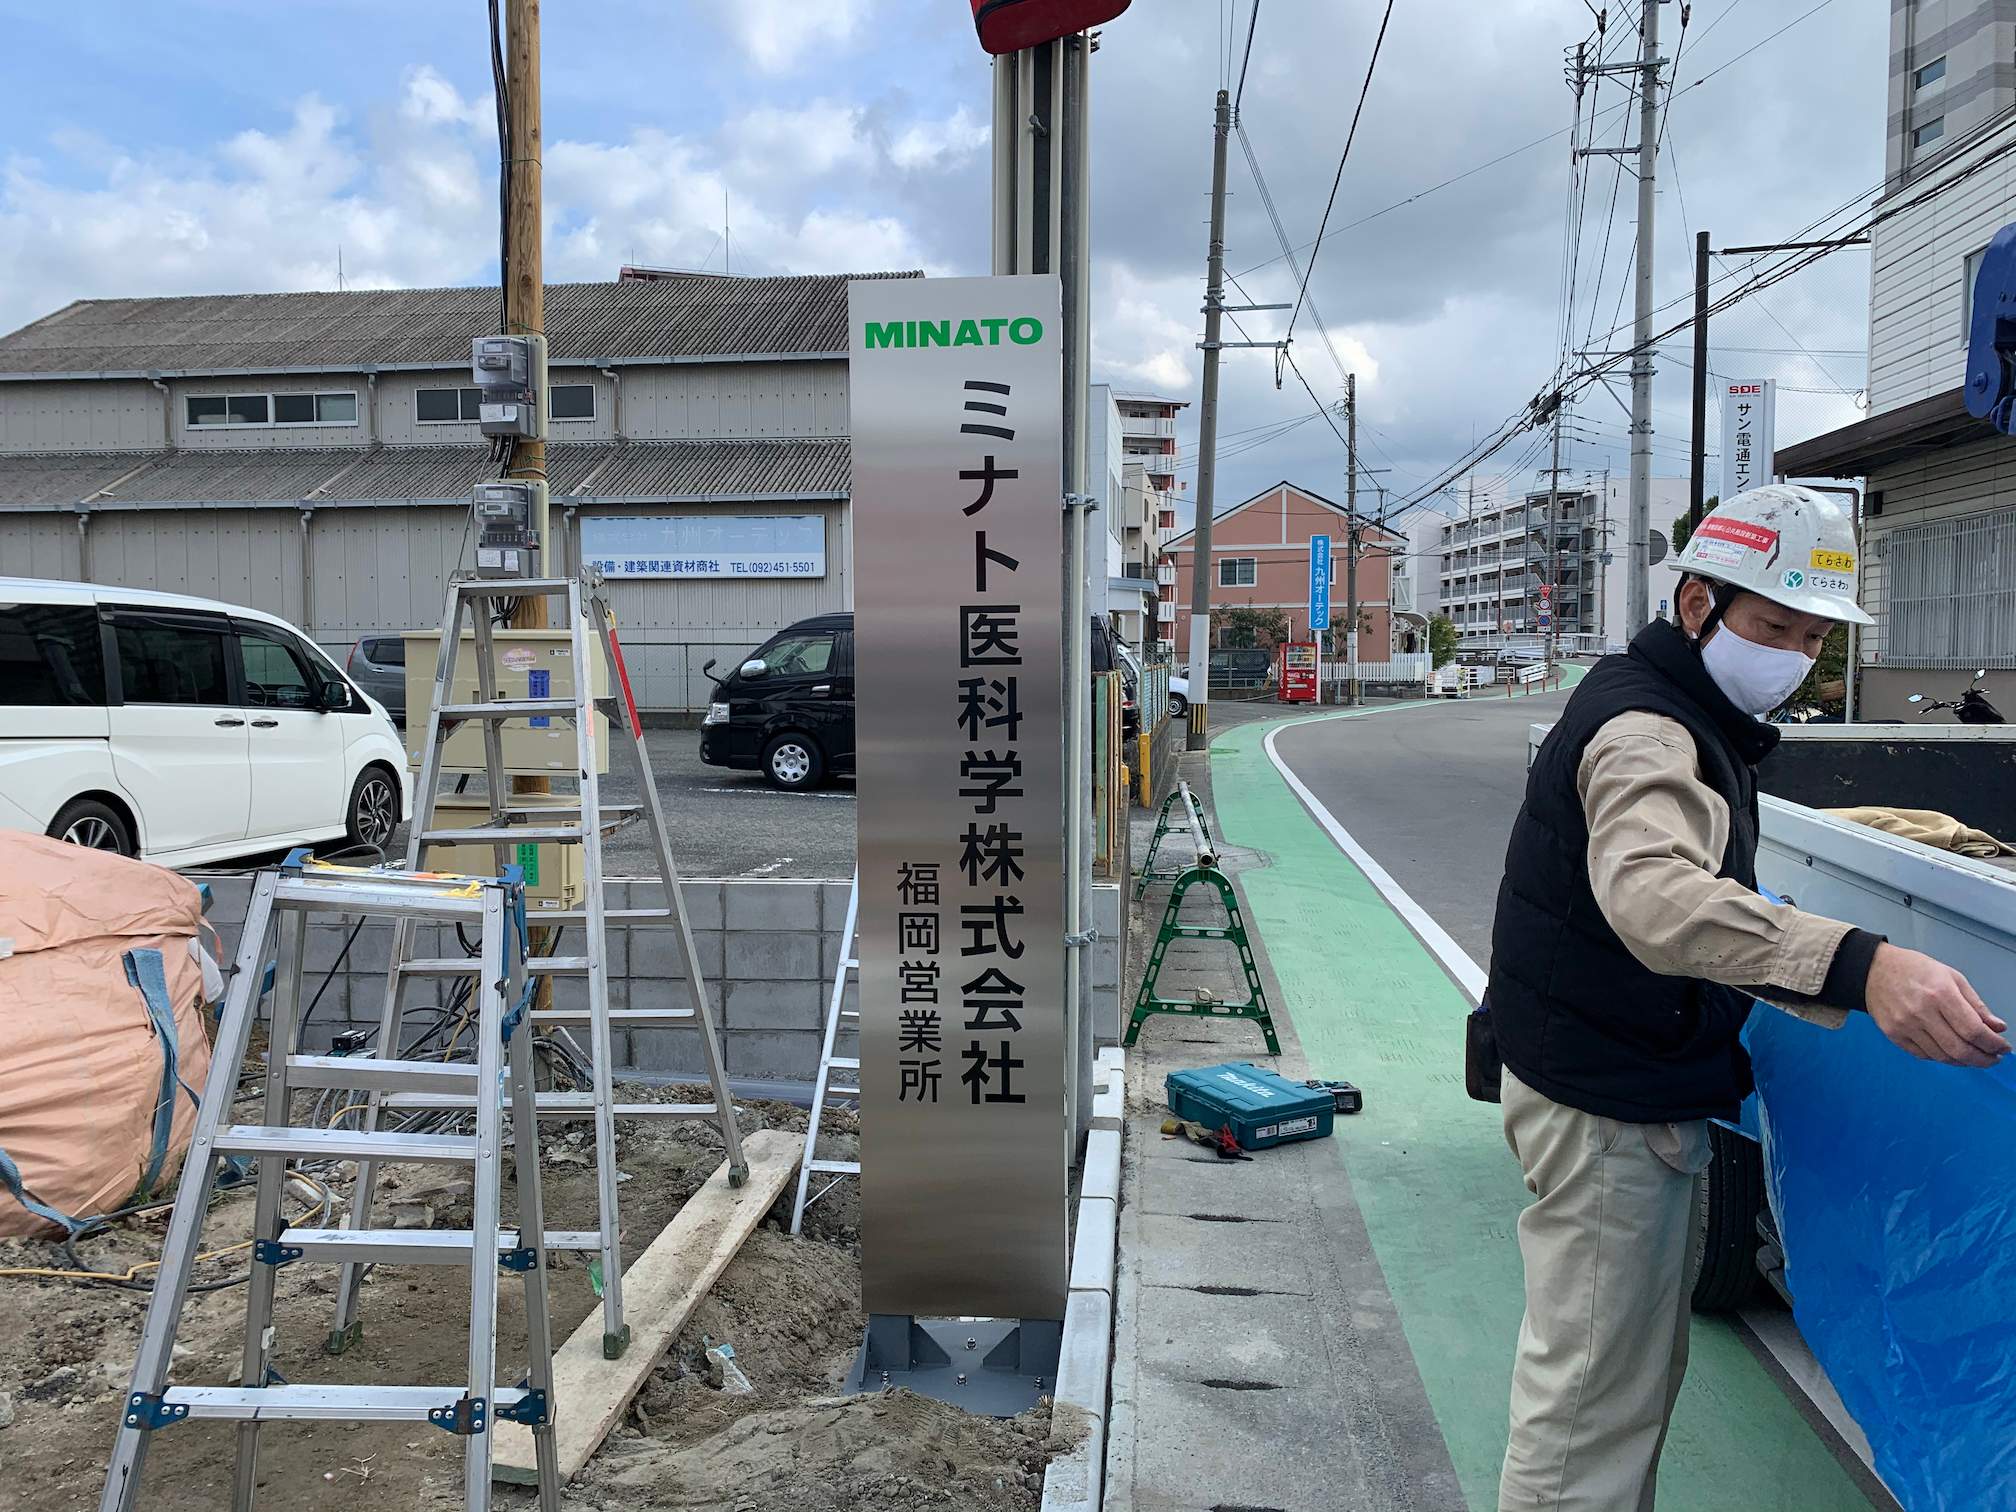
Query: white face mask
x,y
1755,678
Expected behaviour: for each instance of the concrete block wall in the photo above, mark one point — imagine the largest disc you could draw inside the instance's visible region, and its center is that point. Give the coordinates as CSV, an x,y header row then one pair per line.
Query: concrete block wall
x,y
767,952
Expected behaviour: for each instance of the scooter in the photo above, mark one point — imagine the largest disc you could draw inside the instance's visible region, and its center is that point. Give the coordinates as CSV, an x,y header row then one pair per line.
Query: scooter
x,y
1972,706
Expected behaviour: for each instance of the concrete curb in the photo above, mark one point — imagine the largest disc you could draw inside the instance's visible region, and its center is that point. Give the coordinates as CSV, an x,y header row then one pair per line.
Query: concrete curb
x,y
1073,1482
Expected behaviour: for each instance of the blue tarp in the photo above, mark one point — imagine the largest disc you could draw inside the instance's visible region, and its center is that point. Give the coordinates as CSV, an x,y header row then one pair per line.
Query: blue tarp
x,y
1894,1185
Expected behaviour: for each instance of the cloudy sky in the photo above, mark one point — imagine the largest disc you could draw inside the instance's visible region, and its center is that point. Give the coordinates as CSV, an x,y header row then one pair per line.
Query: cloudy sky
x,y
236,145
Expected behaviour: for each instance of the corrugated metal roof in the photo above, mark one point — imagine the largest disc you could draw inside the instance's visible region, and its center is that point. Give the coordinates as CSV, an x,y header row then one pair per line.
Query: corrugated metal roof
x,y
696,315
669,471
712,469
62,478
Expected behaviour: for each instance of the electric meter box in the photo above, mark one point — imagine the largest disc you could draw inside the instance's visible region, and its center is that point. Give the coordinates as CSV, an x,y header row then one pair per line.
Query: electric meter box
x,y
510,372
507,512
552,872
530,664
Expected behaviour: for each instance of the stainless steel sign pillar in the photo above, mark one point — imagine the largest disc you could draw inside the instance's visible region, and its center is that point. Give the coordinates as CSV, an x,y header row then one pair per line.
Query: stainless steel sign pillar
x,y
958,619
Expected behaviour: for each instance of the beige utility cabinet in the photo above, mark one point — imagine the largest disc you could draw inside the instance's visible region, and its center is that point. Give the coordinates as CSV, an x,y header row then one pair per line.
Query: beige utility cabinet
x,y
530,664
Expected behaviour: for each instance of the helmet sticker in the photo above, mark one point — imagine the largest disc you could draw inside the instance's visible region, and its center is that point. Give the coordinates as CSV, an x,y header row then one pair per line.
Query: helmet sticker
x,y
1716,553
1829,582
1742,532
1794,578
1833,561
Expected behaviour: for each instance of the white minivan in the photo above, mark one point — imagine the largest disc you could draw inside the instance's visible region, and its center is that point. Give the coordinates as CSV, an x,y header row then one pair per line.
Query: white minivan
x,y
183,730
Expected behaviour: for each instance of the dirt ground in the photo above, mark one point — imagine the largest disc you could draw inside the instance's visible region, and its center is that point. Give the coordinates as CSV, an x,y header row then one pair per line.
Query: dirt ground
x,y
790,1307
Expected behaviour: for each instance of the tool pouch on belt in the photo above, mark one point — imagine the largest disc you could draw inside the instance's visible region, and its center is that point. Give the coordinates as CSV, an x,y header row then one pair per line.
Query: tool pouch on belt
x,y
1481,1065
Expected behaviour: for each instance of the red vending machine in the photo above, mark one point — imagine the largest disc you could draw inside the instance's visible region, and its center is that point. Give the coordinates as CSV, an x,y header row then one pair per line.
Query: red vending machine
x,y
1298,672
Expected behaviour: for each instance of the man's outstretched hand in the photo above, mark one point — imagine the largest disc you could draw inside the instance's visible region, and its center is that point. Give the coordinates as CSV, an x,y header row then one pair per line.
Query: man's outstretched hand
x,y
1931,1010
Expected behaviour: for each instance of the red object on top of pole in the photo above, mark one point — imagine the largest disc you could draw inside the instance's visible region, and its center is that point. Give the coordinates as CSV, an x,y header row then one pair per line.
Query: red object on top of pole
x,y
1007,26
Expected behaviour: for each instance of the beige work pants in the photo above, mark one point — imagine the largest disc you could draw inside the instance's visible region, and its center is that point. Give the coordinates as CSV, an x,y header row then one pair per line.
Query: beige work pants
x,y
1603,1345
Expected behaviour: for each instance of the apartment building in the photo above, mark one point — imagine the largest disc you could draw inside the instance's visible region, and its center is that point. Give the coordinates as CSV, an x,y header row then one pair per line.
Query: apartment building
x,y
1939,501
1138,433
1491,562
1260,560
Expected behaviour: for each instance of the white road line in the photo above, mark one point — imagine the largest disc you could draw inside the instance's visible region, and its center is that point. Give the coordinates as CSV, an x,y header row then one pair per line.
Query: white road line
x,y
1466,972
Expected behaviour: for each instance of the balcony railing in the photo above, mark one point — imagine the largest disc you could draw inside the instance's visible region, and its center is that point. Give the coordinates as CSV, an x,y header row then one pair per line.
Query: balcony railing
x,y
1166,574
1147,425
1165,611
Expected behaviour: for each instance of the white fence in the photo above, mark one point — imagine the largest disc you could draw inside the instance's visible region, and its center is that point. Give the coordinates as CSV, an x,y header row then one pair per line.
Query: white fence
x,y
1406,667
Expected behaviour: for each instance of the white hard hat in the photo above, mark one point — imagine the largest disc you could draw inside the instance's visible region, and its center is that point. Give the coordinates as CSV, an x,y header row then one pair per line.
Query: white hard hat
x,y
1794,546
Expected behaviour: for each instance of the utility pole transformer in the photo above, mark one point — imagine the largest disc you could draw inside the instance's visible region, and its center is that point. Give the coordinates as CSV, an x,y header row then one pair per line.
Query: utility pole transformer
x,y
1354,695
1207,443
1637,589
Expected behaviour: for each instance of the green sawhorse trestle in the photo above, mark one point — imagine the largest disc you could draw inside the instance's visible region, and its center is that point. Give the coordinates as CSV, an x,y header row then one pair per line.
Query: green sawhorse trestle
x,y
1192,815
1148,1002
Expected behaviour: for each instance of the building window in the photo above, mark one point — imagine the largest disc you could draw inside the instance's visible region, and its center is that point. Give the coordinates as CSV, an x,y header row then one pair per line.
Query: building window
x,y
1931,73
1951,593
447,406
572,401
231,409
1970,271
1238,572
1929,133
272,409
315,409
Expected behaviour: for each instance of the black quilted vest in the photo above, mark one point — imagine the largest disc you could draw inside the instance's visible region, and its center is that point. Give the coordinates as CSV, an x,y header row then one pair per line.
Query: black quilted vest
x,y
1577,1017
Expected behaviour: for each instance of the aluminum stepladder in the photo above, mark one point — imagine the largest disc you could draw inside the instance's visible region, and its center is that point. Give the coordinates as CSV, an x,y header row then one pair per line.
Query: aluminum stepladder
x,y
825,1088
280,903
589,624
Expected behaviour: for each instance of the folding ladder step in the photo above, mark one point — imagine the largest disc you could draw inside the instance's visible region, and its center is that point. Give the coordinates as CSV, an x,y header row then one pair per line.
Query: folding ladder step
x,y
347,1144
836,1167
550,1105
612,813
612,915
845,1062
511,587
469,966
505,834
331,1404
414,1246
508,708
852,963
388,898
833,1091
850,1013
635,1018
368,1074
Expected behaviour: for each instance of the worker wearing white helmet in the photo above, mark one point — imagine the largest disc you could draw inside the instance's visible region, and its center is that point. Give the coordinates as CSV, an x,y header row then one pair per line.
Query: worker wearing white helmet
x,y
1629,944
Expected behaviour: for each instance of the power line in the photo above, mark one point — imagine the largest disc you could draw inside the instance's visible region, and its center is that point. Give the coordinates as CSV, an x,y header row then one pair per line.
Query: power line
x,y
1252,21
1350,136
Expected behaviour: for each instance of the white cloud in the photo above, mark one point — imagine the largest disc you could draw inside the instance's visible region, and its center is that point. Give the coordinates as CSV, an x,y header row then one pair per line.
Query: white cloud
x,y
780,34
939,144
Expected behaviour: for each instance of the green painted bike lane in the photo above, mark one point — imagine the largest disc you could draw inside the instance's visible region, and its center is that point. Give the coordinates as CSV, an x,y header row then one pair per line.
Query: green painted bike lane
x,y
1439,1190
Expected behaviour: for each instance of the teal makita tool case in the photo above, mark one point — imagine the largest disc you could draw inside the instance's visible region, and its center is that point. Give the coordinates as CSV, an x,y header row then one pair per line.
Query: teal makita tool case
x,y
1260,1107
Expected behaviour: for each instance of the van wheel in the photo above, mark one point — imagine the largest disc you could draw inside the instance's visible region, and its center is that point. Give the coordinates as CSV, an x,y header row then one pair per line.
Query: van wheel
x,y
1179,706
374,810
1728,1198
94,825
793,762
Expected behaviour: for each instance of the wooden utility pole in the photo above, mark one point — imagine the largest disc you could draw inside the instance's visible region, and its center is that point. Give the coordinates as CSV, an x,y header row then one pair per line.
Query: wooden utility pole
x,y
525,277
1201,566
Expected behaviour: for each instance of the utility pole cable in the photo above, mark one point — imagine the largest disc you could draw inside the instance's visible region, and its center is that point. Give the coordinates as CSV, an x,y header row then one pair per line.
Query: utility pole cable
x,y
1207,443
1354,695
1636,609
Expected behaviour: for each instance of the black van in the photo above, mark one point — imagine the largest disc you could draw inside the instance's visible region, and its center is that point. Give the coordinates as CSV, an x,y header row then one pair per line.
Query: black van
x,y
788,711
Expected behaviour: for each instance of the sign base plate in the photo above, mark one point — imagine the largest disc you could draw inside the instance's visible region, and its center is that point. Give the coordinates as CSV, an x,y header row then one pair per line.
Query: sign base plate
x,y
996,1367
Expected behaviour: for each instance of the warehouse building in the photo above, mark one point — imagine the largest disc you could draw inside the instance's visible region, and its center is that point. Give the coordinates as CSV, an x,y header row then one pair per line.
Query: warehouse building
x,y
312,455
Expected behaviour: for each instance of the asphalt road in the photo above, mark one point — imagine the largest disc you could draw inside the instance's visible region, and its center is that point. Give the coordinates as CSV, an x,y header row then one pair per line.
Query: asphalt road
x,y
723,824
1431,792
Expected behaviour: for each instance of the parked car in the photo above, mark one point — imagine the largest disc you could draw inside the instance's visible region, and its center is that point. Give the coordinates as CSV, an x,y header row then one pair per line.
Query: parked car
x,y
1242,667
1179,695
787,711
183,730
377,664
